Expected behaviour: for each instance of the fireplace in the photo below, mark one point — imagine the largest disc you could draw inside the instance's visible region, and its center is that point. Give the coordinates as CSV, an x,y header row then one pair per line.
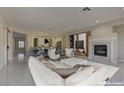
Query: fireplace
x,y
100,50
103,50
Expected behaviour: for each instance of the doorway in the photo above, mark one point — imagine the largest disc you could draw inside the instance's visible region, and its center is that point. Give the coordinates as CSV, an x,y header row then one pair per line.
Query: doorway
x,y
19,46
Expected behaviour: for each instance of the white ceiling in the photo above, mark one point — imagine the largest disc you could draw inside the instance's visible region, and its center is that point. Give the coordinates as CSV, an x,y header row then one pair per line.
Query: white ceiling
x,y
59,19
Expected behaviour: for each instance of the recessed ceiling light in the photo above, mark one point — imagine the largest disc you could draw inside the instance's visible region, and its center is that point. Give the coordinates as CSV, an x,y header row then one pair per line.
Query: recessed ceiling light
x,y
65,29
50,28
97,21
69,27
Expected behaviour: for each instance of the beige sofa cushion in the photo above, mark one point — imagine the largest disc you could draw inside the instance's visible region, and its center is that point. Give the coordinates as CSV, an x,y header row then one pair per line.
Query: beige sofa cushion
x,y
46,62
59,64
79,76
65,72
49,64
52,64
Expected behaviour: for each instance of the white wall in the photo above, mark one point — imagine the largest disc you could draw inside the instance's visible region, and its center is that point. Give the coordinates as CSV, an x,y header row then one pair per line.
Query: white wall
x,y
103,31
2,60
2,44
120,31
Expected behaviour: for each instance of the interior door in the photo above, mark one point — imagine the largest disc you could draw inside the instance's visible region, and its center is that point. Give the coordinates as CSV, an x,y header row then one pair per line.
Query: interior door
x,y
20,47
59,44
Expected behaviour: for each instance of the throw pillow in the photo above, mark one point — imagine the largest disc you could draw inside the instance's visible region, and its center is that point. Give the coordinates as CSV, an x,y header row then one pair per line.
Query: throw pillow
x,y
41,59
80,65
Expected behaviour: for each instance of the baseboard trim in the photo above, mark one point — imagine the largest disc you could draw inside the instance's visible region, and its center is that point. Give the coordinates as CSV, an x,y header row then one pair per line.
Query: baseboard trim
x,y
120,60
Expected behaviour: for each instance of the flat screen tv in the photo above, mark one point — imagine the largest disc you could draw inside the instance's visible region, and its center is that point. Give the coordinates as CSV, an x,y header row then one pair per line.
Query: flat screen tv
x,y
79,44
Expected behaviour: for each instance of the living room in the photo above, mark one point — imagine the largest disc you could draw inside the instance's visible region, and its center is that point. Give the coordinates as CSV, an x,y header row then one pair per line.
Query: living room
x,y
61,46
97,38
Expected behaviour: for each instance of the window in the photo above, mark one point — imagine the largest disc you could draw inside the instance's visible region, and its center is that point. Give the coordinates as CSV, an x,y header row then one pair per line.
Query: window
x,y
80,42
21,44
82,36
75,39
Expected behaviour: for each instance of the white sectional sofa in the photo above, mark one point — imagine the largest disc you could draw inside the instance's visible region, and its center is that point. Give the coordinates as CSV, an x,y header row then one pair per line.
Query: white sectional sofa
x,y
44,76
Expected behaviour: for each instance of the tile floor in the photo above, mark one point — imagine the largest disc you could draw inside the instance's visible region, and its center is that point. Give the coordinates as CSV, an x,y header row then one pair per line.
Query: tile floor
x,y
118,78
18,74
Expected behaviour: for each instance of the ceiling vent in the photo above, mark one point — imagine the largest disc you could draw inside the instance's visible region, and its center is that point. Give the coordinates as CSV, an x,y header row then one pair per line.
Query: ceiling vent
x,y
85,9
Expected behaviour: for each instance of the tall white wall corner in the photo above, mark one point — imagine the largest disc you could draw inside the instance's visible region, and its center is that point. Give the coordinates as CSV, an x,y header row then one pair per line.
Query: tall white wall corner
x,y
3,56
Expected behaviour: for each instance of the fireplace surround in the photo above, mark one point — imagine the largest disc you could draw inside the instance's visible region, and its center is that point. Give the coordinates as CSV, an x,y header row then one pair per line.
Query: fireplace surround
x,y
106,50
